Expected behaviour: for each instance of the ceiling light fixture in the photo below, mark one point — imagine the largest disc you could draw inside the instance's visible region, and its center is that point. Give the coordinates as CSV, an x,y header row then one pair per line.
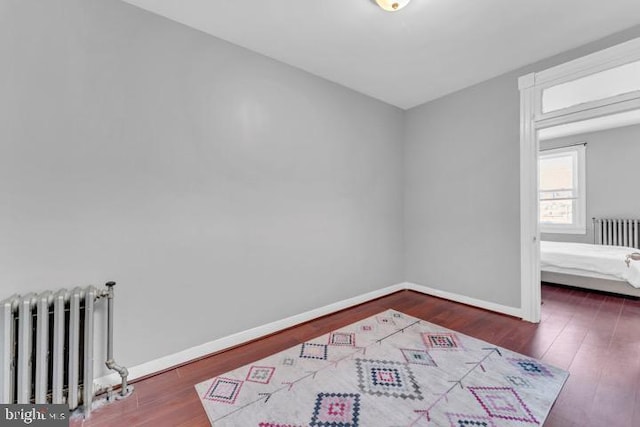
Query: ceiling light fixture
x,y
392,5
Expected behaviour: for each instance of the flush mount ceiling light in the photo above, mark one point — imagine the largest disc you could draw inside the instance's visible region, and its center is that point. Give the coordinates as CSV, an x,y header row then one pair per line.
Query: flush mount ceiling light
x,y
392,5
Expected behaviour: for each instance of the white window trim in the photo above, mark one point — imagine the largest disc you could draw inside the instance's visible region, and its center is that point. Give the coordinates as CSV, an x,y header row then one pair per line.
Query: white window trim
x,y
580,227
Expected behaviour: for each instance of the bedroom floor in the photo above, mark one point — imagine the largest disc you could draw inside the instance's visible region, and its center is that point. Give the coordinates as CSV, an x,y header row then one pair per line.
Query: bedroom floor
x,y
595,336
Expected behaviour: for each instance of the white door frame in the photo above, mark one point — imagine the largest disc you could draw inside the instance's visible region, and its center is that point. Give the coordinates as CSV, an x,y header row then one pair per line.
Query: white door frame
x,y
532,118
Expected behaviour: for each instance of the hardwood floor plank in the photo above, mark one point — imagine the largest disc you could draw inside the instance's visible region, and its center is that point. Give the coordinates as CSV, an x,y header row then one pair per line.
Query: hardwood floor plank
x,y
612,406
593,335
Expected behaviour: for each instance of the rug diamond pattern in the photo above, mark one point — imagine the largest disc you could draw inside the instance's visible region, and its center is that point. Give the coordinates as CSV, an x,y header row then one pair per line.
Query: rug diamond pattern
x,y
388,370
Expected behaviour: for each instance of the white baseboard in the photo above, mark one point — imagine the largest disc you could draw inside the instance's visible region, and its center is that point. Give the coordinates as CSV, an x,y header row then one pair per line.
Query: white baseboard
x,y
196,352
193,353
487,305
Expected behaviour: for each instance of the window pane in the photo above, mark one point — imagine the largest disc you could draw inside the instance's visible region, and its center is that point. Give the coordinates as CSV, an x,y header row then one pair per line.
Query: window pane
x,y
612,82
556,173
556,212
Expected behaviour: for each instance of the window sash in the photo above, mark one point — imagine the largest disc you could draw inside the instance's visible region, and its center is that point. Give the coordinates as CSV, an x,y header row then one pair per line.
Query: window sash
x,y
558,194
576,224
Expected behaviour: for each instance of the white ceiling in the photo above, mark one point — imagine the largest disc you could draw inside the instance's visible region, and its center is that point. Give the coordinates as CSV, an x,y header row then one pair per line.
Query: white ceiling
x,y
428,49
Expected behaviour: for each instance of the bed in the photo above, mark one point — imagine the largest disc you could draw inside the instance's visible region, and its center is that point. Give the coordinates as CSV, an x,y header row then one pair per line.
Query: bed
x,y
599,267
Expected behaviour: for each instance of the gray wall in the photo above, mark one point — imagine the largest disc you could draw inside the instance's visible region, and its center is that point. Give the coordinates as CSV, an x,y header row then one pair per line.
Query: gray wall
x,y
224,190
612,164
221,189
462,197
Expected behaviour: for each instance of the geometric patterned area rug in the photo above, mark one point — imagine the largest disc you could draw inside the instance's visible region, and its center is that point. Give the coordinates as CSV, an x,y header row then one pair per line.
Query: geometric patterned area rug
x,y
387,370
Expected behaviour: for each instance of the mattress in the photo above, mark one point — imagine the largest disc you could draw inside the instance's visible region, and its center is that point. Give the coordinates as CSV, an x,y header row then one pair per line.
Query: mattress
x,y
583,259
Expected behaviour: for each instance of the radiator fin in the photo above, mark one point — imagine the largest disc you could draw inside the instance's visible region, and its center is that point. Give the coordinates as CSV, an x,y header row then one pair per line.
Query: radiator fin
x,y
59,329
24,349
74,348
7,353
617,232
87,388
42,348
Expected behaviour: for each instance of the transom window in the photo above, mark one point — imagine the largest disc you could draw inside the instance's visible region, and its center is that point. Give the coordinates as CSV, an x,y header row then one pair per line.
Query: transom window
x,y
608,83
562,190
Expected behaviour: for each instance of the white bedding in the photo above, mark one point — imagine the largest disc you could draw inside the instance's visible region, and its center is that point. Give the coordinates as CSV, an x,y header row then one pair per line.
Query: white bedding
x,y
590,260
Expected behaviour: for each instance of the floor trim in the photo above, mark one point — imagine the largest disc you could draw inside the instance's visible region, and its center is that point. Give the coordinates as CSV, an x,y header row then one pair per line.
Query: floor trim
x,y
487,305
233,340
182,357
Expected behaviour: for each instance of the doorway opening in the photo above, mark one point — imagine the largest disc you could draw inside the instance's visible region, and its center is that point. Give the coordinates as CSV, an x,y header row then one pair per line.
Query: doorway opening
x,y
597,88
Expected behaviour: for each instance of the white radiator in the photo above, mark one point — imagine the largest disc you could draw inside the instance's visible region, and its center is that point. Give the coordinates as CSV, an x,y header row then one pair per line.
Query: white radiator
x,y
616,232
47,347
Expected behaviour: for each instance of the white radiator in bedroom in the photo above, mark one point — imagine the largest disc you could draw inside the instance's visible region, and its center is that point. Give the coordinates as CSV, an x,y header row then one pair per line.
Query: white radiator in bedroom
x,y
616,232
46,347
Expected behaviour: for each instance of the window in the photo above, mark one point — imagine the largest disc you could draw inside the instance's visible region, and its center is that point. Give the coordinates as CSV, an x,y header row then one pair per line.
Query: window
x,y
562,190
607,83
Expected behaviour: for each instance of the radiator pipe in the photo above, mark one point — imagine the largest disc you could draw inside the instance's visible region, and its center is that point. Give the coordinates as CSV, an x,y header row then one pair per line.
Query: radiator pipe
x,y
125,390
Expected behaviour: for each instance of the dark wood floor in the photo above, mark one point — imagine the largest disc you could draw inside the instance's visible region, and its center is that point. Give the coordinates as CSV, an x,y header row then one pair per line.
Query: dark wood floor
x,y
595,336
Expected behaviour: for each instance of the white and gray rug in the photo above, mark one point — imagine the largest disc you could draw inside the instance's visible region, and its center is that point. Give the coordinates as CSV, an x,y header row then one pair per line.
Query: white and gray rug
x,y
387,370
